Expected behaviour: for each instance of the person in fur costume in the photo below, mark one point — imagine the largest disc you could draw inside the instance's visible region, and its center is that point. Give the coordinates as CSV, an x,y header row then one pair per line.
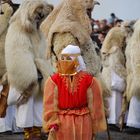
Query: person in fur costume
x,y
4,22
69,24
133,87
5,14
7,113
26,65
72,100
114,71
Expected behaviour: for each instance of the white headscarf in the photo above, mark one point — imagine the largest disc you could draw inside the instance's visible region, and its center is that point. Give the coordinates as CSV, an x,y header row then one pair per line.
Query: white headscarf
x,y
71,49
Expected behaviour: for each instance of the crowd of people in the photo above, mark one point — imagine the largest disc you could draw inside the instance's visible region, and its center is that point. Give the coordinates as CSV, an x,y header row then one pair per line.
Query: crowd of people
x,y
100,28
91,71
116,39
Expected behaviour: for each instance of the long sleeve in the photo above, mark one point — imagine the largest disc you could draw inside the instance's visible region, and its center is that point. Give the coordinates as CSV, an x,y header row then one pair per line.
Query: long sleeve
x,y
50,102
95,104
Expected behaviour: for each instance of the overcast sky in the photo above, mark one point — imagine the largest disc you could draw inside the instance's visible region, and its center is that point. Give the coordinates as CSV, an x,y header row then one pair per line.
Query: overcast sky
x,y
124,9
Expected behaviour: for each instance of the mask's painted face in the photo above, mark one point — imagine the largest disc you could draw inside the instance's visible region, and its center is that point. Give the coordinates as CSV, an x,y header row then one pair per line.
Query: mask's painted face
x,y
67,64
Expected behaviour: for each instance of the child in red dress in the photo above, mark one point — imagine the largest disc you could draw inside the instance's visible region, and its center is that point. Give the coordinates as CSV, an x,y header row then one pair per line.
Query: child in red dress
x,y
73,106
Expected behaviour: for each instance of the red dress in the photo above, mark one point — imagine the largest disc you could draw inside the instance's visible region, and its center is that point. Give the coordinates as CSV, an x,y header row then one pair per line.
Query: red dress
x,y
73,103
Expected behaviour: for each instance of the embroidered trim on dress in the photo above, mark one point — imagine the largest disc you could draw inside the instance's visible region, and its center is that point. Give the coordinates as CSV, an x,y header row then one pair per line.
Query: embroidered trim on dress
x,y
72,83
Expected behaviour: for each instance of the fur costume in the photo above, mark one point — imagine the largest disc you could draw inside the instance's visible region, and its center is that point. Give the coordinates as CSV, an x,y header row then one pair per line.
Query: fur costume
x,y
113,55
70,24
133,63
25,46
128,26
114,71
4,21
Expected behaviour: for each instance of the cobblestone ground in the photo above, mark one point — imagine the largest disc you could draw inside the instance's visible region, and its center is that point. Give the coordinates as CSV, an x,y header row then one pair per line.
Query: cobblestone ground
x,y
101,136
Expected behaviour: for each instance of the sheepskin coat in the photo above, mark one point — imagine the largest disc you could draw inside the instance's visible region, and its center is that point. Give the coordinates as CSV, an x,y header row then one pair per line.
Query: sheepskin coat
x,y
4,22
25,45
133,63
113,55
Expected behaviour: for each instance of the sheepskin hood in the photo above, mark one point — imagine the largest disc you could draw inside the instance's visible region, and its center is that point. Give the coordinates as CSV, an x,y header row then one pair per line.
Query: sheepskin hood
x,y
69,16
114,39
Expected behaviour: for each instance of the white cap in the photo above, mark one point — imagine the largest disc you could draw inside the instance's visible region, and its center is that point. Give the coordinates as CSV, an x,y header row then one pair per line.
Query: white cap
x,y
71,49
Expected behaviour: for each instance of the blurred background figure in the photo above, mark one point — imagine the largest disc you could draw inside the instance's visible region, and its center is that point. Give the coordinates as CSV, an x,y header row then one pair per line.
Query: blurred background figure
x,y
114,72
118,22
112,18
133,76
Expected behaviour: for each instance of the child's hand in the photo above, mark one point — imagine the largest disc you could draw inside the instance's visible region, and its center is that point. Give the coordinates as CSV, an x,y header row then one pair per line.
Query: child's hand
x,y
54,128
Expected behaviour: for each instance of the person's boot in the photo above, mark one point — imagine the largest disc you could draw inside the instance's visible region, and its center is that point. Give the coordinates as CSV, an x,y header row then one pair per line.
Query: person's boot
x,y
36,133
28,133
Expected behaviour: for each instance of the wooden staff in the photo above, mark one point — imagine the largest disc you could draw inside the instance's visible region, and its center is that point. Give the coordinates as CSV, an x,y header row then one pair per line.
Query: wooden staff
x,y
108,132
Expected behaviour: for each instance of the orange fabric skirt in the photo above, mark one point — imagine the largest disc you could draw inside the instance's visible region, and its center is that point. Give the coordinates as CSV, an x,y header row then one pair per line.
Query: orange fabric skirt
x,y
75,125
